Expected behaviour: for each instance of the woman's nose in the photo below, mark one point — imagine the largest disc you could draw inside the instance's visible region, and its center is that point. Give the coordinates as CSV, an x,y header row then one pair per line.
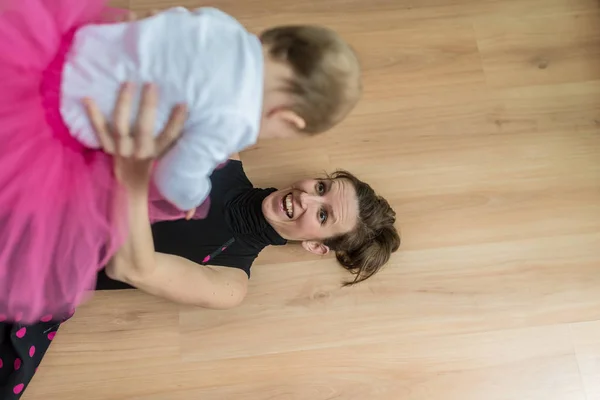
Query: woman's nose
x,y
308,199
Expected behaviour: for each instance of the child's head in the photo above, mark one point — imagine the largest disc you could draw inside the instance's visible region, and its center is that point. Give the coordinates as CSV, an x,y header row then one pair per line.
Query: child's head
x,y
315,76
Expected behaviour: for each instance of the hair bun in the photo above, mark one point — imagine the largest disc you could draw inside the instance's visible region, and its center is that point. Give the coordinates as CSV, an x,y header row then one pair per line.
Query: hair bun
x,y
368,258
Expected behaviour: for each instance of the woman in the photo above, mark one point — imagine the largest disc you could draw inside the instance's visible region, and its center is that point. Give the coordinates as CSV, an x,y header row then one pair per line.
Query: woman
x,y
339,213
207,262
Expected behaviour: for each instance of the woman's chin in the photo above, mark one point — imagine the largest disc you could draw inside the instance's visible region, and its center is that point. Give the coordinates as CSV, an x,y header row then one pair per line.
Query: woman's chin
x,y
271,207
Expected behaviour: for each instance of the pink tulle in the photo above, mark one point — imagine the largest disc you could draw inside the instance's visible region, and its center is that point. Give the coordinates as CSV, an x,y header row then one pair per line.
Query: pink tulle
x,y
61,212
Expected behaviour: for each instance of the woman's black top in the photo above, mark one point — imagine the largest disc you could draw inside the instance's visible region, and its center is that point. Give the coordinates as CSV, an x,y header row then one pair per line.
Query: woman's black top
x,y
235,214
235,219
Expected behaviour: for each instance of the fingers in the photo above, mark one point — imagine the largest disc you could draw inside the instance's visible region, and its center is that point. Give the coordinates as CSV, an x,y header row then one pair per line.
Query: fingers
x,y
117,140
119,16
173,129
121,117
99,125
132,16
145,123
190,214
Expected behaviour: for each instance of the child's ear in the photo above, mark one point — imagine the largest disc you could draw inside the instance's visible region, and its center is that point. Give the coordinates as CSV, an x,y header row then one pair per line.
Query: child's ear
x,y
290,117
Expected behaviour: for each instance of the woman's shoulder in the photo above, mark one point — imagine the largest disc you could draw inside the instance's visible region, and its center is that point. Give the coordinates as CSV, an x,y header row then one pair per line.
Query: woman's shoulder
x,y
228,177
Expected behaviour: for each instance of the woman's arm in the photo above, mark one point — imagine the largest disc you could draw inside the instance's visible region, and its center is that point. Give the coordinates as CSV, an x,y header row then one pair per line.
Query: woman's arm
x,y
137,263
182,281
174,278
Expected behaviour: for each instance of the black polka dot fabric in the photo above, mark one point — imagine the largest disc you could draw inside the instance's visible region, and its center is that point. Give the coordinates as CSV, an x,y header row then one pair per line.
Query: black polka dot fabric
x,y
22,348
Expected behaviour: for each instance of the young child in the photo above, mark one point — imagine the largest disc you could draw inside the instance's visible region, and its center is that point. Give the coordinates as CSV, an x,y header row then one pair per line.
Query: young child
x,y
59,222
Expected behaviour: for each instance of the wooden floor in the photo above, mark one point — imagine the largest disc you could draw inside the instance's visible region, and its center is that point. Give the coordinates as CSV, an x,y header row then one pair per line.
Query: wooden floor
x,y
481,124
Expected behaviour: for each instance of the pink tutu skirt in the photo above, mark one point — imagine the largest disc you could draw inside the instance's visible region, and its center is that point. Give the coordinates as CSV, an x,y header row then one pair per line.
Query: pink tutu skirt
x,y
61,209
62,214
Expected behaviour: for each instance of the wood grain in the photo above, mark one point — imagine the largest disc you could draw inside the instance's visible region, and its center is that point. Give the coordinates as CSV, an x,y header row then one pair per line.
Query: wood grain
x,y
481,124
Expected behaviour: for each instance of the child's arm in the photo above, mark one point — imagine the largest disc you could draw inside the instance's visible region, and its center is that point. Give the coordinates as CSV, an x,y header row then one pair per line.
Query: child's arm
x,y
183,175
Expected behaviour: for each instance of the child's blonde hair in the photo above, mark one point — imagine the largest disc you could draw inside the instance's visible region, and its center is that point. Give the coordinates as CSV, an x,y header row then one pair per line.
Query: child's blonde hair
x,y
327,83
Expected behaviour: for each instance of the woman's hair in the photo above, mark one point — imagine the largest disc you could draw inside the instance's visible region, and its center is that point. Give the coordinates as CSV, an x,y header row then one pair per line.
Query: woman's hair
x,y
368,247
327,79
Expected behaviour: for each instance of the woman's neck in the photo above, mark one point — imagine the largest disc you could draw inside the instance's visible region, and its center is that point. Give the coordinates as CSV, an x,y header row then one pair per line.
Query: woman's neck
x,y
245,218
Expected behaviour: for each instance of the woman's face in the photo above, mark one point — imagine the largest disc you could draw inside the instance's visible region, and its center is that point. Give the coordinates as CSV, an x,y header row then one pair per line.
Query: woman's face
x,y
313,210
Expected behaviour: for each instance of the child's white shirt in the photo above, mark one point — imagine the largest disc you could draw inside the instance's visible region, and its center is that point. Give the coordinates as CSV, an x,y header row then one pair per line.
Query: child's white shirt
x,y
203,58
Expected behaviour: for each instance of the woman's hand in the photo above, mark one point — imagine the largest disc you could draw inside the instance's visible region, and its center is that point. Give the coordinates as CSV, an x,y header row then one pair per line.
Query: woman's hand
x,y
116,16
135,148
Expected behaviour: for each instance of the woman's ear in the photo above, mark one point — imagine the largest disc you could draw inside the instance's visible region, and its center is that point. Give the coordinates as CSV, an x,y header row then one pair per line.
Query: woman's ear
x,y
315,247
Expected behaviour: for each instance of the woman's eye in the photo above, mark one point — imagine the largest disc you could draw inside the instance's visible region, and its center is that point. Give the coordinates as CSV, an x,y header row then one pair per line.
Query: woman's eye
x,y
320,188
322,216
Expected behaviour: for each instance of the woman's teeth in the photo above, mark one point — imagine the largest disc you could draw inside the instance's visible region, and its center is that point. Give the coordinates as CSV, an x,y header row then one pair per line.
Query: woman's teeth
x,y
289,206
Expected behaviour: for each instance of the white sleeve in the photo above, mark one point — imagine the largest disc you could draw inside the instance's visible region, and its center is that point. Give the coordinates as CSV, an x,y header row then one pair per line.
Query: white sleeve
x,y
182,176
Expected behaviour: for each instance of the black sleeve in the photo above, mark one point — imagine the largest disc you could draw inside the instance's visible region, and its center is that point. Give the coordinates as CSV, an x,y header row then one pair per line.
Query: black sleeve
x,y
103,282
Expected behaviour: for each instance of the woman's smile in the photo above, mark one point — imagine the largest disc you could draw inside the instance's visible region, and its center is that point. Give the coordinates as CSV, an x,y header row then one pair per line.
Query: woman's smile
x,y
289,205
